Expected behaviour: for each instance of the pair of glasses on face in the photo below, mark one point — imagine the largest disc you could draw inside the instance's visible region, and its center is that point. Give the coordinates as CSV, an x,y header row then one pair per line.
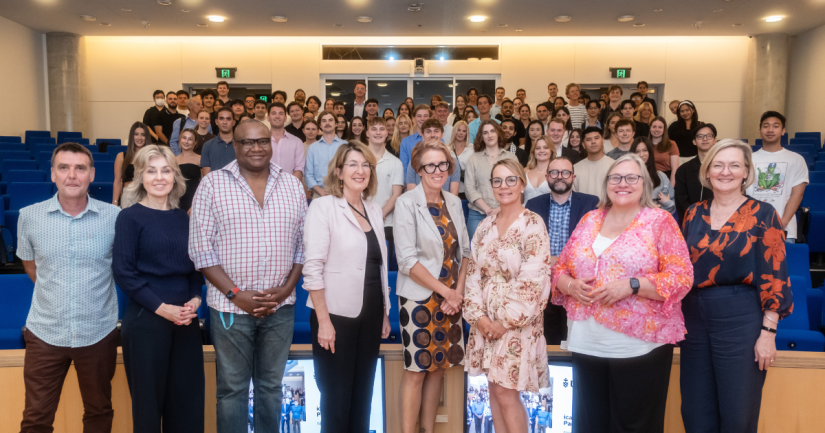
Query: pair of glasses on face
x,y
354,166
631,179
564,174
509,180
441,166
263,143
704,136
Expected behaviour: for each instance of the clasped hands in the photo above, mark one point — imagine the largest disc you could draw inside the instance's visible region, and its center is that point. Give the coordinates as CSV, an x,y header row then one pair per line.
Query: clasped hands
x,y
492,330
180,315
606,294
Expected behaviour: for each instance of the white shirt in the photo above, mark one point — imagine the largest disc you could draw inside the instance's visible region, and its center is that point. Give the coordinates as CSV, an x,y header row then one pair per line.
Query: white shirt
x,y
590,175
448,132
776,175
462,162
530,191
358,110
389,173
589,337
495,109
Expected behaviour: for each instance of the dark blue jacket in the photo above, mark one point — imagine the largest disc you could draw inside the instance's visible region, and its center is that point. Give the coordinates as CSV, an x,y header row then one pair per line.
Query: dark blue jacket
x,y
580,205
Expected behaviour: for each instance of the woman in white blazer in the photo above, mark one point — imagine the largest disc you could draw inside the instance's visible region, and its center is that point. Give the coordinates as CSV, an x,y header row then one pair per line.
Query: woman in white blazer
x,y
345,272
432,248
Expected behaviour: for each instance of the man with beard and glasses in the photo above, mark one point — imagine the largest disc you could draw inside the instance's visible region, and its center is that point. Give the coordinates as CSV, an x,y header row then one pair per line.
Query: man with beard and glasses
x,y
561,210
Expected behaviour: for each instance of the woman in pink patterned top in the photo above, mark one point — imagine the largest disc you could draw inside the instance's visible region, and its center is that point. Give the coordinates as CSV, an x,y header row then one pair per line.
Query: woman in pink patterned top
x,y
506,291
621,277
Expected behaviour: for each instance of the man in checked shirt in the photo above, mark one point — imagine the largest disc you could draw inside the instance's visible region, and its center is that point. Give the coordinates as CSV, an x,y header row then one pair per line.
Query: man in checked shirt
x,y
246,236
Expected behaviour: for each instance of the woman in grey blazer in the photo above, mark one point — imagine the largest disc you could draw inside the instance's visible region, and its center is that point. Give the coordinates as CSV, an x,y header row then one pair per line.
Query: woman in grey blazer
x,y
432,248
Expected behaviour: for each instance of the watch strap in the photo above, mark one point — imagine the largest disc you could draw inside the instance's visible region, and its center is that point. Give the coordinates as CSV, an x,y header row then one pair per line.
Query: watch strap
x,y
635,286
771,330
231,294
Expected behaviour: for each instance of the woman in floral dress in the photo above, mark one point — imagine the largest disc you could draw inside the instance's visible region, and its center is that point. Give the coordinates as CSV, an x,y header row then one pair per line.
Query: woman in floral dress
x,y
507,289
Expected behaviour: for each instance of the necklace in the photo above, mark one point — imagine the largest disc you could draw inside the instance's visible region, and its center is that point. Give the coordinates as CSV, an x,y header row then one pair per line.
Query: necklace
x,y
356,211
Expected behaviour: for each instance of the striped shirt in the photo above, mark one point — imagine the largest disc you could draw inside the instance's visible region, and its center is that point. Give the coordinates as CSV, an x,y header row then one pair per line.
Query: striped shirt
x,y
578,114
255,245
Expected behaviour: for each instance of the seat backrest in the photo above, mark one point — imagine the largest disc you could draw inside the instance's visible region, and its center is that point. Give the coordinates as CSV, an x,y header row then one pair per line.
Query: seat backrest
x,y
10,139
301,310
116,149
816,136
104,171
799,261
92,148
102,191
18,290
37,134
24,176
22,194
111,141
799,318
43,140
17,164
816,177
65,136
15,154
12,147
813,197
820,166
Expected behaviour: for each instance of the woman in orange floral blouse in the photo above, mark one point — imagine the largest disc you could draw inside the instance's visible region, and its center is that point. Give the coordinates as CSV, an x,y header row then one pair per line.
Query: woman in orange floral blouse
x,y
506,291
740,292
621,277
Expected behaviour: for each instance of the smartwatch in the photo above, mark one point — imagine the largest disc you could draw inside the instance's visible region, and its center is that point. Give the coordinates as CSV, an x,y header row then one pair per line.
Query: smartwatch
x,y
231,294
634,285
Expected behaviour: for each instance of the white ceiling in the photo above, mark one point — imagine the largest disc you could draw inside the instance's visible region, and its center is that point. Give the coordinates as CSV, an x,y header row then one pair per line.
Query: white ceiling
x,y
437,18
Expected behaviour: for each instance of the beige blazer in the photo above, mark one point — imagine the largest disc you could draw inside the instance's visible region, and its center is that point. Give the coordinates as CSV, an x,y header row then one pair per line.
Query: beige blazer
x,y
417,239
335,249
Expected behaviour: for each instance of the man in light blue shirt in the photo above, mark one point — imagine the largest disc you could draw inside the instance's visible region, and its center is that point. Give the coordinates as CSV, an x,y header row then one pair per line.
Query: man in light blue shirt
x,y
433,130
420,114
484,103
320,154
65,244
191,121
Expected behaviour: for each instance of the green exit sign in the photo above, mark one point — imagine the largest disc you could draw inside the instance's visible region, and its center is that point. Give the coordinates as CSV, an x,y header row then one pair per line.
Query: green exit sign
x,y
226,72
620,72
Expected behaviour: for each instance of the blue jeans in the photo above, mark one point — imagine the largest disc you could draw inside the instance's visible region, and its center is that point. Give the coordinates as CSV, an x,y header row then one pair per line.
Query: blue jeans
x,y
474,218
720,381
247,347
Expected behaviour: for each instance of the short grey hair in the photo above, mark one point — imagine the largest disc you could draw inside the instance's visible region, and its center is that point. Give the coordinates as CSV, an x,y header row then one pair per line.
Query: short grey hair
x,y
646,200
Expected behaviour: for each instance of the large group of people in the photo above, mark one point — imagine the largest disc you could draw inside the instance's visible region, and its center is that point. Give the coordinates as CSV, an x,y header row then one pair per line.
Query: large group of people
x,y
574,218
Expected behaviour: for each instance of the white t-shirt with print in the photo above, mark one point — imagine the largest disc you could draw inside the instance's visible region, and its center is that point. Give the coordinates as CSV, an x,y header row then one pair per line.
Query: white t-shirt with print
x,y
776,175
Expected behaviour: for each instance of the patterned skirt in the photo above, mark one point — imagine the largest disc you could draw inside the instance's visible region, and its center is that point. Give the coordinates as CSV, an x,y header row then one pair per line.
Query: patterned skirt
x,y
431,338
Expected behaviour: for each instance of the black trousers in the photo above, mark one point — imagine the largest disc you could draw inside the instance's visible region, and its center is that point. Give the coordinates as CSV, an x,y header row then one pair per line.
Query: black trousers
x,y
164,369
345,378
721,383
625,395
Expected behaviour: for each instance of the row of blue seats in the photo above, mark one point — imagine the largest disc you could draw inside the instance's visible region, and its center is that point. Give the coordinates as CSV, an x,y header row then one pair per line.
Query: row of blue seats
x,y
46,137
45,154
21,194
50,147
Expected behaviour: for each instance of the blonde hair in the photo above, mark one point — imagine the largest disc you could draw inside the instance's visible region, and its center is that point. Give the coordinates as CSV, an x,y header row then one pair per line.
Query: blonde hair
x,y
135,192
335,185
425,146
532,163
721,145
647,185
512,165
396,136
638,116
466,137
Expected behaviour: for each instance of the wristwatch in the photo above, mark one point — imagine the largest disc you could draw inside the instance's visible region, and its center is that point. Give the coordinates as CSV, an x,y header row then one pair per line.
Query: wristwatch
x,y
231,294
634,285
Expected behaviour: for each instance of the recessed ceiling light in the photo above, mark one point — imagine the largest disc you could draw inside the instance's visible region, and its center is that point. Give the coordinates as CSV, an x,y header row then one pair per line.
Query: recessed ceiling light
x,y
382,84
736,24
105,24
502,25
126,10
88,18
279,19
203,25
718,10
328,83
364,19
184,10
338,25
415,7
626,18
216,18
639,25
335,94
477,18
773,19
519,30
563,18
165,2
657,10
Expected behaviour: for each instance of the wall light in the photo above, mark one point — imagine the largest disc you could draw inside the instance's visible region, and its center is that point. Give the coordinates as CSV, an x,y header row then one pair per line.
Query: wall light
x,y
477,18
773,19
216,18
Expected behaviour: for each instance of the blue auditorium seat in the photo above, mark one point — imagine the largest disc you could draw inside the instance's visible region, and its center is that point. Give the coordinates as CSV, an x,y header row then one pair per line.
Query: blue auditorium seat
x,y
116,149
37,134
65,136
819,166
6,235
15,154
23,194
122,301
816,177
816,299
43,148
104,171
11,147
301,333
10,139
813,197
18,290
40,140
804,147
21,176
44,160
17,164
395,326
794,331
111,141
816,136
10,218
102,191
92,148
799,262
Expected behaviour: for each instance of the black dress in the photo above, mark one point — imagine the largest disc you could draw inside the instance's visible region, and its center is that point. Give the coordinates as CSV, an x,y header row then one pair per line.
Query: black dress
x,y
192,174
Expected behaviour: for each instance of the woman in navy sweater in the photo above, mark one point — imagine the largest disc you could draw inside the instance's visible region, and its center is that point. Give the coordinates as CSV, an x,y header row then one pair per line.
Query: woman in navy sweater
x,y
162,348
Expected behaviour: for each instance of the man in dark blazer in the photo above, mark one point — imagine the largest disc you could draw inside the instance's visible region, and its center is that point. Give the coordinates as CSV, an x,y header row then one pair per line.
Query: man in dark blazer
x,y
567,206
358,107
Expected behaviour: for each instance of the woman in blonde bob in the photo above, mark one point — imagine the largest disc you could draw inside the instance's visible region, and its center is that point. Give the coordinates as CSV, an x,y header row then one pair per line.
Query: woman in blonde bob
x,y
162,348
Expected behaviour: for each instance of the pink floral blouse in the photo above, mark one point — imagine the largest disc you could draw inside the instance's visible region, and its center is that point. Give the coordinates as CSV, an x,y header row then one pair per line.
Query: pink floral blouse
x,y
653,247
508,280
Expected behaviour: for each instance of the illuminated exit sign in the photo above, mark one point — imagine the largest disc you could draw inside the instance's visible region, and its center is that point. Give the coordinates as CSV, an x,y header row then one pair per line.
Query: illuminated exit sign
x,y
620,72
226,72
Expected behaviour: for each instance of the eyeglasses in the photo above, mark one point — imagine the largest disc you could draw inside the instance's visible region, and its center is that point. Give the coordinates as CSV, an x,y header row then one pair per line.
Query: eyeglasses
x,y
565,174
354,166
704,136
509,180
441,166
263,143
631,179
